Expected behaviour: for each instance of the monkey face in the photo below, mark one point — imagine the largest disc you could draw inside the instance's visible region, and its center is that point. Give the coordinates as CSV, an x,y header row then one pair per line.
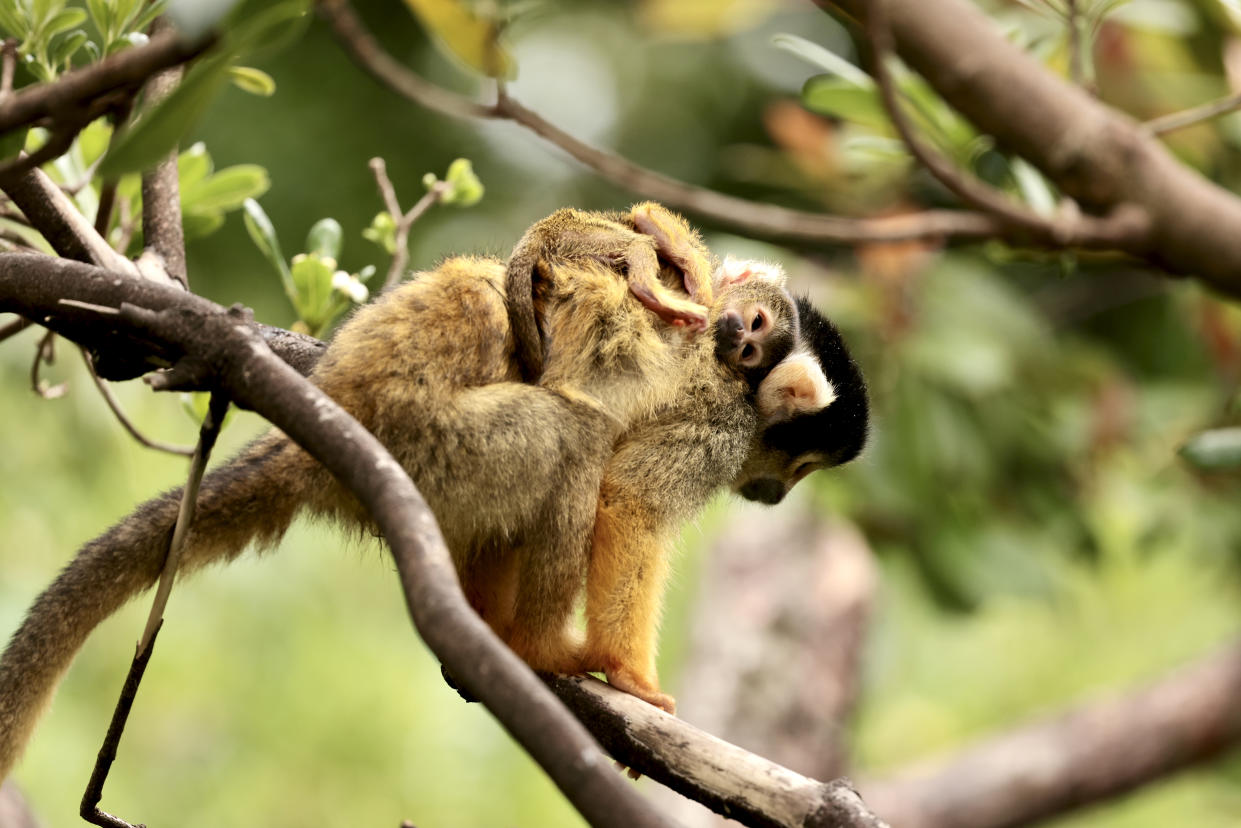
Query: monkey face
x,y
755,329
813,412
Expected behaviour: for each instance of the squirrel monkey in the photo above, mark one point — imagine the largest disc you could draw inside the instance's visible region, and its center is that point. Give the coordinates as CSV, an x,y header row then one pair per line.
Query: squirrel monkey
x,y
721,428
518,475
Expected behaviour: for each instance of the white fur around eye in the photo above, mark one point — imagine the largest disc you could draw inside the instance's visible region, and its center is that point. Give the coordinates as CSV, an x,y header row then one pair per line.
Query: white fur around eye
x,y
795,386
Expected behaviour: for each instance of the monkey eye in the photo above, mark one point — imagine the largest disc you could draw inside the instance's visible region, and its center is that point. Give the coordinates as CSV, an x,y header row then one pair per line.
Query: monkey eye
x,y
759,322
748,351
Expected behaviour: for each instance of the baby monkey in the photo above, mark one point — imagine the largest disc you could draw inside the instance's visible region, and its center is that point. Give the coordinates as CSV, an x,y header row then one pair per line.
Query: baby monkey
x,y
756,328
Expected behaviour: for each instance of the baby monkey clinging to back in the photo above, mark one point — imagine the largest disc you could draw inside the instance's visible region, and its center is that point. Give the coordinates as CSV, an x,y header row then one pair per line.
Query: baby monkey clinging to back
x,y
755,330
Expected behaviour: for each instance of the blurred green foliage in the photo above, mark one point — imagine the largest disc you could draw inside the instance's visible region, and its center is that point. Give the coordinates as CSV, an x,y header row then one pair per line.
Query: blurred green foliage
x,y
1042,540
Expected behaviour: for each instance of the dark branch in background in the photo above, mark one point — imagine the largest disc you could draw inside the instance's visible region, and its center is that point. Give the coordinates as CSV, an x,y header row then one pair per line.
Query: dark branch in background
x,y
45,354
752,216
178,324
731,781
1096,155
123,72
8,64
161,191
1125,227
404,221
1098,751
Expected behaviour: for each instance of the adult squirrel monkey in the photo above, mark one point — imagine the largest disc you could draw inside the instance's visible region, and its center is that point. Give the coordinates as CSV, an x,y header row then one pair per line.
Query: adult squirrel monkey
x,y
760,416
531,484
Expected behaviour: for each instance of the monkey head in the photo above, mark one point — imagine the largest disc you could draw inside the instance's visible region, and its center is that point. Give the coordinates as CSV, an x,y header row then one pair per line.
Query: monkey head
x,y
757,323
813,412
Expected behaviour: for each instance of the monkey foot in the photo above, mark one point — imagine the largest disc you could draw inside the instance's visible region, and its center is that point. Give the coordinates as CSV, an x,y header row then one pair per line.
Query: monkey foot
x,y
623,679
674,311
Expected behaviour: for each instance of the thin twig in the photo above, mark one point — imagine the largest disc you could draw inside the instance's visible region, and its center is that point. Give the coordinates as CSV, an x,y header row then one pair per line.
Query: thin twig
x,y
404,221
19,324
756,217
89,808
1188,117
1075,43
207,435
45,354
115,405
123,72
8,63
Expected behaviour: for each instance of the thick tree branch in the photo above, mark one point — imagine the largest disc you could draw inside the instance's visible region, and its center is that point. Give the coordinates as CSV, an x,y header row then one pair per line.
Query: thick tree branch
x,y
755,217
1128,225
1096,155
731,781
1095,752
181,324
125,71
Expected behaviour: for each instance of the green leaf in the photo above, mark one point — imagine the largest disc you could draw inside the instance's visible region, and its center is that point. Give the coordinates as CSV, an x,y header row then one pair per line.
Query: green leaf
x,y
465,188
831,95
1215,450
143,145
12,142
63,21
818,56
254,81
473,38
193,165
148,15
14,20
198,225
68,46
101,16
312,278
226,189
265,24
263,234
383,231
324,239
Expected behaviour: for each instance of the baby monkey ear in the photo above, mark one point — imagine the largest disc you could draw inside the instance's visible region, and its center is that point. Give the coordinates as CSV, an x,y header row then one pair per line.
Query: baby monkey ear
x,y
796,386
734,271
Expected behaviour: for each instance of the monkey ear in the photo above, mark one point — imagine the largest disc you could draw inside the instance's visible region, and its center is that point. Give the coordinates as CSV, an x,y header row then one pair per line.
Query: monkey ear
x,y
734,271
796,386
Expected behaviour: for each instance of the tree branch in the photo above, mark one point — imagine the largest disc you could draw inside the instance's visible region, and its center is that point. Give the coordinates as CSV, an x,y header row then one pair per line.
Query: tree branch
x,y
181,324
1096,155
755,217
1100,750
126,71
161,192
730,781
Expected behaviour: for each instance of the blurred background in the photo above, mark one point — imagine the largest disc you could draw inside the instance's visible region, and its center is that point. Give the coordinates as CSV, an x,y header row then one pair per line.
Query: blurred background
x,y
1024,533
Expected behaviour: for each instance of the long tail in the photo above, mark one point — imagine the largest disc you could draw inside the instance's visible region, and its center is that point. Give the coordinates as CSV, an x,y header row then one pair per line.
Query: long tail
x,y
253,497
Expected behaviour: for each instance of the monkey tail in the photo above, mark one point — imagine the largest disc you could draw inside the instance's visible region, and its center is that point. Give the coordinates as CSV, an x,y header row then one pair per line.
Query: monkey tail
x,y
519,293
253,497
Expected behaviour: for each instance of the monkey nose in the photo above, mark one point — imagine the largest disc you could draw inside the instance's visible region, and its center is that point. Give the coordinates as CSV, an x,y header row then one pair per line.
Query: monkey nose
x,y
731,324
766,490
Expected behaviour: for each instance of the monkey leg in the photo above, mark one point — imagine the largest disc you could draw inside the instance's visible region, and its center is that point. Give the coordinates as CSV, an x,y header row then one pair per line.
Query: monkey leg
x,y
679,244
624,590
643,278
